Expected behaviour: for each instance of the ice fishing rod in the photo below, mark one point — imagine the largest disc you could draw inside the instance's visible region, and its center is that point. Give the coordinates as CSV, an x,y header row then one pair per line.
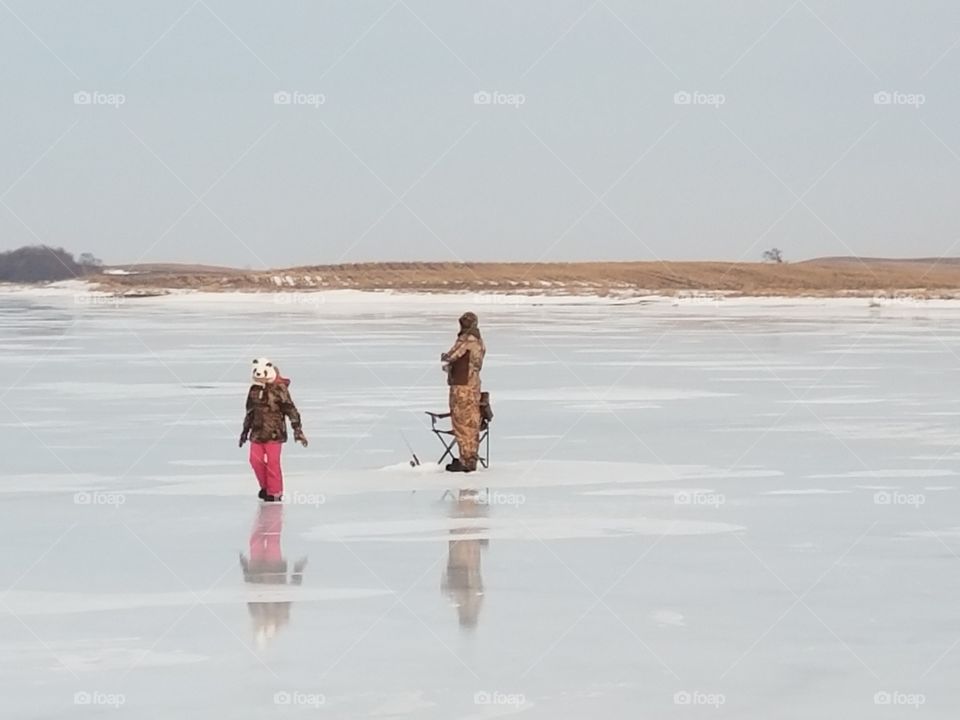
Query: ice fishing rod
x,y
416,460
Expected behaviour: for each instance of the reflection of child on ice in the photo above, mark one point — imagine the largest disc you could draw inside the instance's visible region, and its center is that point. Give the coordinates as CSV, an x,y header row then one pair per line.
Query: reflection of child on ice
x,y
268,406
266,569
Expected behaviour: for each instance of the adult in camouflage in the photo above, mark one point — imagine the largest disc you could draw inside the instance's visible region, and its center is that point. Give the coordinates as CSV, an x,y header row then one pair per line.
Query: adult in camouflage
x,y
463,363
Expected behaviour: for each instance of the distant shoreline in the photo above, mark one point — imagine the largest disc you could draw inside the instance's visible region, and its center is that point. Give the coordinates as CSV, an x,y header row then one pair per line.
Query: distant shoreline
x,y
830,277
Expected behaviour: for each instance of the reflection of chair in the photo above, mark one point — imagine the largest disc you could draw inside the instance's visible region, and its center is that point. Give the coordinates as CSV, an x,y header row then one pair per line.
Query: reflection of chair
x,y
448,440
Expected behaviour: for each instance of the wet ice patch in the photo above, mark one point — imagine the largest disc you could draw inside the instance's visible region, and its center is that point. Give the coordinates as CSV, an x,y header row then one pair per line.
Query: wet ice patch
x,y
22,602
604,406
103,654
808,491
534,529
648,492
723,474
121,659
43,424
57,483
508,475
140,391
879,474
405,703
340,435
589,395
669,618
834,401
207,463
948,533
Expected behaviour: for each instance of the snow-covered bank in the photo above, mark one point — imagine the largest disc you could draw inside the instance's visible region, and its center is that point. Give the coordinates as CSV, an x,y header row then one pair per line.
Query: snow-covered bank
x,y
349,300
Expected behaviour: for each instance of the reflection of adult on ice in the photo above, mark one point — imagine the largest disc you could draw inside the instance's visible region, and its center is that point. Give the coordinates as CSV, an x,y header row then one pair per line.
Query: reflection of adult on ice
x,y
462,580
267,566
463,363
265,424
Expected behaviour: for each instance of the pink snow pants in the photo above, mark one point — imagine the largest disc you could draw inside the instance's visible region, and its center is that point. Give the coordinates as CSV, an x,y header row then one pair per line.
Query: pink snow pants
x,y
265,460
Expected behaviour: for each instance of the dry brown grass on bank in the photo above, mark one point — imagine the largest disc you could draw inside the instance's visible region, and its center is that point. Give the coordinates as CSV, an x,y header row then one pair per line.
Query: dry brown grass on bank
x,y
839,276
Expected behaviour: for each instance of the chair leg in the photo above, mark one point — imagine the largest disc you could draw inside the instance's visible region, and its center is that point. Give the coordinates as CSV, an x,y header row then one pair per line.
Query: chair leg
x,y
447,448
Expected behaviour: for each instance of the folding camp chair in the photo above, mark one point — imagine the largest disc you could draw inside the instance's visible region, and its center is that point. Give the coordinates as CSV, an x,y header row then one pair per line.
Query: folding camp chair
x,y
447,439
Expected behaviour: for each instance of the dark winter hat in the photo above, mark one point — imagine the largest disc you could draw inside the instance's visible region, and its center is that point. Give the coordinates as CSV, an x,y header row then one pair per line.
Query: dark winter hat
x,y
469,324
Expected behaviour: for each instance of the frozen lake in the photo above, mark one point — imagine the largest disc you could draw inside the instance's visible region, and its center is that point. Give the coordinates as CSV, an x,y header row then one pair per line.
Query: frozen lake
x,y
728,510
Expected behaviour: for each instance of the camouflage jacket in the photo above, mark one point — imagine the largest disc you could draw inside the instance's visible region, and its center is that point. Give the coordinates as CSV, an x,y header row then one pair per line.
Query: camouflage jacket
x,y
465,360
268,407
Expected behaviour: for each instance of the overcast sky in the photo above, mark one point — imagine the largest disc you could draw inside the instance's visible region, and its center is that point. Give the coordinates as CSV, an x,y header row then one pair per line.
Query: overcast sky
x,y
611,130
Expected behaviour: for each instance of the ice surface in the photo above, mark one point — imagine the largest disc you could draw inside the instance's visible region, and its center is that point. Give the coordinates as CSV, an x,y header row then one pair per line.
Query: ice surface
x,y
745,505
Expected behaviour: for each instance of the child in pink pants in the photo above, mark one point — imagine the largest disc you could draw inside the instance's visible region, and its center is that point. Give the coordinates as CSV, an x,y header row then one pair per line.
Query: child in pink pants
x,y
269,405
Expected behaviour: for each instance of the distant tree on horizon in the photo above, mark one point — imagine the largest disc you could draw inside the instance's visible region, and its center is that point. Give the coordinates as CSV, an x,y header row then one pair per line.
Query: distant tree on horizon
x,y
774,255
38,263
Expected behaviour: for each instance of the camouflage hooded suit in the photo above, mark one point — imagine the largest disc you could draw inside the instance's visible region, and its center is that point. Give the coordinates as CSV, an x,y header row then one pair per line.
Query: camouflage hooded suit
x,y
464,362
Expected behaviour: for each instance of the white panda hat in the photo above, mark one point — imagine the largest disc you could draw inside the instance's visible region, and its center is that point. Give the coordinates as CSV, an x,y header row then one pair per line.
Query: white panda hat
x,y
263,371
